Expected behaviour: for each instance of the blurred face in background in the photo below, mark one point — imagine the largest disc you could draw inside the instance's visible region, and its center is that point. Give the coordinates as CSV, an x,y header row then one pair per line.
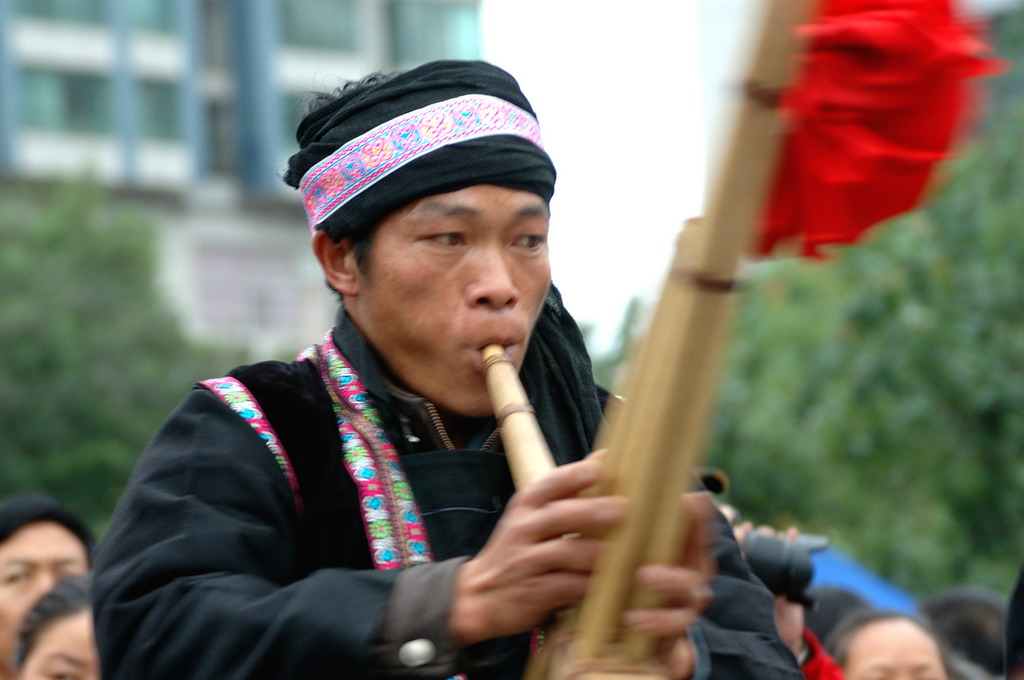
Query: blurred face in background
x,y
64,650
893,649
32,560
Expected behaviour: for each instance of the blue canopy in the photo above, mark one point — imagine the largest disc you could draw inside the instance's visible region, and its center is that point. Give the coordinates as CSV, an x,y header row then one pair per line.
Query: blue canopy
x,y
833,568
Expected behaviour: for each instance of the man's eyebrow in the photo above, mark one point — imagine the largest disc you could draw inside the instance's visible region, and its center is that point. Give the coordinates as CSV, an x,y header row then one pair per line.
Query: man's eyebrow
x,y
537,210
29,561
439,209
18,562
67,658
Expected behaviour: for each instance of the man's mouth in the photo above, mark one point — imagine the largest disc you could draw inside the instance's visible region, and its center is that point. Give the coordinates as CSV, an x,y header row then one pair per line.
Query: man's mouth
x,y
510,347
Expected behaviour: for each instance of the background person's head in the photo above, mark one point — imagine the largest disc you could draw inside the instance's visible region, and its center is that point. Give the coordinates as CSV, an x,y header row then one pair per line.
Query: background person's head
x,y
886,645
56,637
831,605
970,620
41,542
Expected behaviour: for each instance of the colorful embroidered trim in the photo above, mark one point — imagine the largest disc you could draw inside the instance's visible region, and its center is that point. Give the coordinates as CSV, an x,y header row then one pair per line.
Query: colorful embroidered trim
x,y
233,393
394,527
365,160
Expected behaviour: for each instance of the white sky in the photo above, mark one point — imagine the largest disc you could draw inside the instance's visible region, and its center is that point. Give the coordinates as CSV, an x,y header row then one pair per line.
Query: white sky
x,y
630,102
617,96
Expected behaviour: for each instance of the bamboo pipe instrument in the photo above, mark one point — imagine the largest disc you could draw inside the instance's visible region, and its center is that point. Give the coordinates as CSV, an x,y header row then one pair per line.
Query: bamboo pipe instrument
x,y
528,455
657,436
530,459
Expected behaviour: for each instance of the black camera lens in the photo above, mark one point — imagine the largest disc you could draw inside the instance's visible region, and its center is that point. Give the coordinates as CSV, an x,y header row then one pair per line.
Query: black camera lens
x,y
783,565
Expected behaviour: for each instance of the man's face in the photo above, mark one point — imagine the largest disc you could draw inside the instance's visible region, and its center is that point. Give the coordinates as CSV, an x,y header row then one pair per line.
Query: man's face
x,y
447,275
32,560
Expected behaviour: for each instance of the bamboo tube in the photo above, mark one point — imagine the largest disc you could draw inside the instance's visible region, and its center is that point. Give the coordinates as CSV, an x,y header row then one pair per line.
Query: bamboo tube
x,y
656,437
528,455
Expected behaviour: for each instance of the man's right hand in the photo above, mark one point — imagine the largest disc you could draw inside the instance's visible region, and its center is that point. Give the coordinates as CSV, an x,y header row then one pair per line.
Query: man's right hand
x,y
528,569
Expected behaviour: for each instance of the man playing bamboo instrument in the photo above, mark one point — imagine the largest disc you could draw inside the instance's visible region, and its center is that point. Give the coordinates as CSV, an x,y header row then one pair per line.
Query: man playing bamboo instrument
x,y
351,514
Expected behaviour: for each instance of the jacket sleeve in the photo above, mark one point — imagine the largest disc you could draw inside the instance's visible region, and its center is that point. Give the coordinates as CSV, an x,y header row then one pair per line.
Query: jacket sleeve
x,y
818,665
200,576
738,628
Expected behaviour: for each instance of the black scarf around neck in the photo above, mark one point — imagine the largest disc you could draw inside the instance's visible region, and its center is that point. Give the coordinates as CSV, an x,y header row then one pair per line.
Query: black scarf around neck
x,y
556,374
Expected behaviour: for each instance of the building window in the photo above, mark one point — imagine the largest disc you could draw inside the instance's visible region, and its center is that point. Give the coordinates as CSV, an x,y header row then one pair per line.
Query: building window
x,y
67,102
157,16
160,110
215,24
424,31
222,149
322,24
243,291
80,11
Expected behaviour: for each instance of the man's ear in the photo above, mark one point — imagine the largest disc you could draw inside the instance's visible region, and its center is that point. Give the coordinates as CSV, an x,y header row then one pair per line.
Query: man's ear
x,y
338,262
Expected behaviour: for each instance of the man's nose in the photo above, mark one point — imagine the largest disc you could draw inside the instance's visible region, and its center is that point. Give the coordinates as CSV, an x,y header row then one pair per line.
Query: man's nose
x,y
492,284
45,580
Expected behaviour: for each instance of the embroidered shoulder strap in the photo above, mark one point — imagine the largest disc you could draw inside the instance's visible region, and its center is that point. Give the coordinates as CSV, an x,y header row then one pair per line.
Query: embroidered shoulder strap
x,y
233,393
394,526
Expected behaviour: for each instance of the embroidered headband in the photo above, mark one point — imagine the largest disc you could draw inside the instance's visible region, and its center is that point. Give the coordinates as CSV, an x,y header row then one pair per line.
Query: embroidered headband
x,y
358,165
384,142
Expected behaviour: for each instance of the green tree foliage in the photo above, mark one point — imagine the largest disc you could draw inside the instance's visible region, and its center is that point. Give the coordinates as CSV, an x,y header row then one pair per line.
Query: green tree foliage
x,y
93,358
878,398
609,363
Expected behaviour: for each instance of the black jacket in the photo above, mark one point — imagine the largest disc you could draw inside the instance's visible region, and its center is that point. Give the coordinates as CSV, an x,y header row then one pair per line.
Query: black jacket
x,y
208,570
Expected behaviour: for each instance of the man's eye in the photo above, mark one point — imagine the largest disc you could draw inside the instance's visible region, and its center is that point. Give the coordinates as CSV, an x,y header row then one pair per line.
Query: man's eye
x,y
447,239
13,578
531,241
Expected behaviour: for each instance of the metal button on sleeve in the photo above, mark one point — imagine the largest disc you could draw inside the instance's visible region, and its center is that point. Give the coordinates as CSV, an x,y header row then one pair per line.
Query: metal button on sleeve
x,y
417,652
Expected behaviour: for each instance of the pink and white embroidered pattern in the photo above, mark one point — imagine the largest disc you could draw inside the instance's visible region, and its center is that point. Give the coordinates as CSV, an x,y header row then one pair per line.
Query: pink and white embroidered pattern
x,y
394,527
367,159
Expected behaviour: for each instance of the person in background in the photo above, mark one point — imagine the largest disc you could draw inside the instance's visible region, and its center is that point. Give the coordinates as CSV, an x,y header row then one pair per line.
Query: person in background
x,y
790,617
831,604
970,621
56,637
887,645
41,541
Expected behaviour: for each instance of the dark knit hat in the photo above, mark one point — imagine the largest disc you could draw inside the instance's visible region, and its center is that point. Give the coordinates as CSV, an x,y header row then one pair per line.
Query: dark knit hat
x,y
18,511
440,127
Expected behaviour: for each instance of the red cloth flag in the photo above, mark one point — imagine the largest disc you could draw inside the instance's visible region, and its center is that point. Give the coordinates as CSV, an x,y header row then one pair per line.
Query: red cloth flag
x,y
882,95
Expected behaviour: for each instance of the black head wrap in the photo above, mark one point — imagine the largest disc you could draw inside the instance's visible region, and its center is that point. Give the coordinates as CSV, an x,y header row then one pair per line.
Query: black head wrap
x,y
24,509
503,160
559,381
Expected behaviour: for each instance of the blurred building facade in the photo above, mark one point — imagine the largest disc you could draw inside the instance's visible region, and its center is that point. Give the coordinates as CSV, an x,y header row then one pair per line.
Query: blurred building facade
x,y
190,107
